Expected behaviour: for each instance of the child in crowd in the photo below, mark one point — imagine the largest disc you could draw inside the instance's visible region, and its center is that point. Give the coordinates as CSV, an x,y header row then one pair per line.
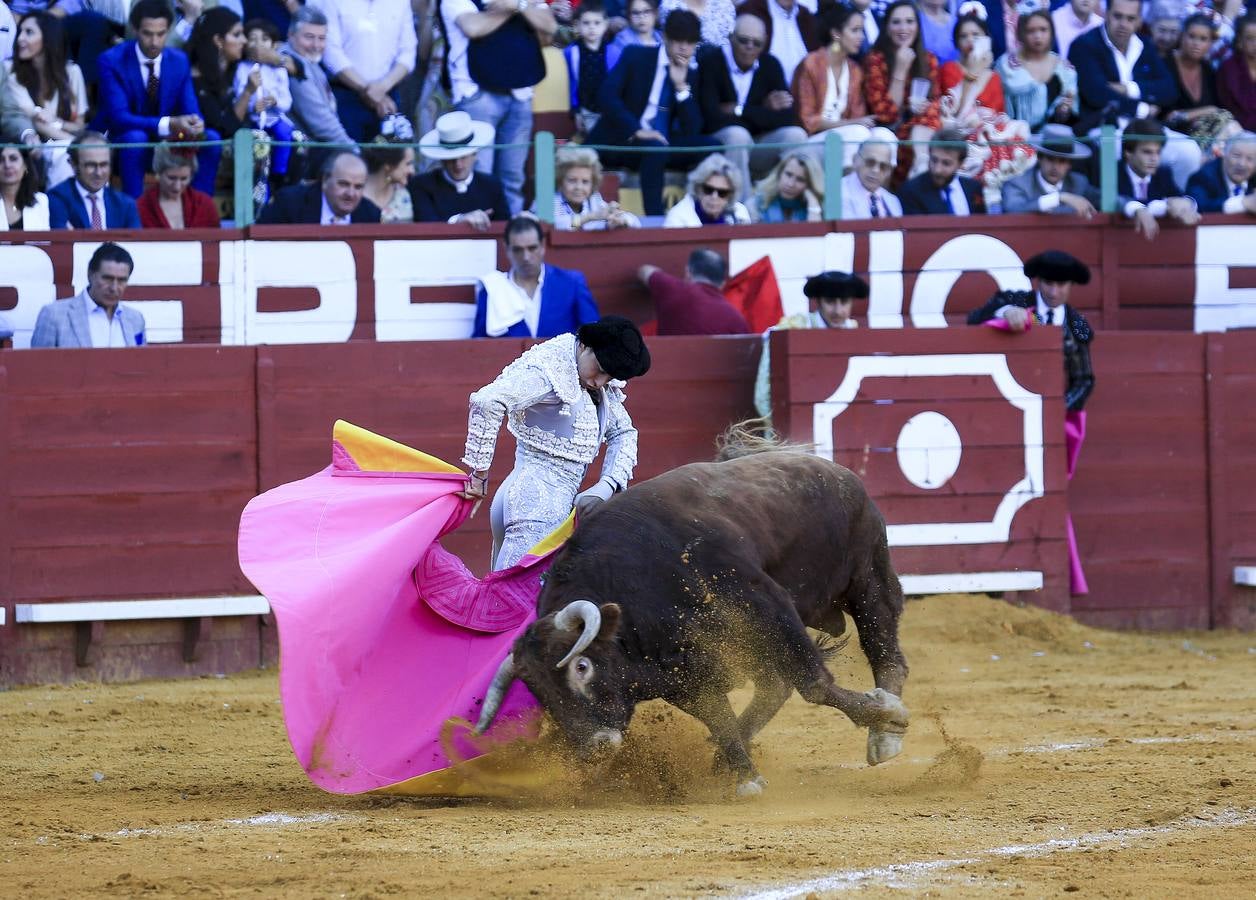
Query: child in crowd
x,y
643,29
268,110
586,64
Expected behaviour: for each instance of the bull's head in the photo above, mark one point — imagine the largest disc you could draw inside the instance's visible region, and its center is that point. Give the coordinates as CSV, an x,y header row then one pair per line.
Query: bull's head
x,y
575,668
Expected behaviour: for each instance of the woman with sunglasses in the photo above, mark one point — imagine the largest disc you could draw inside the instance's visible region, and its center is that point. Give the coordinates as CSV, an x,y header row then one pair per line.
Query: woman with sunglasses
x,y
642,30
709,199
901,84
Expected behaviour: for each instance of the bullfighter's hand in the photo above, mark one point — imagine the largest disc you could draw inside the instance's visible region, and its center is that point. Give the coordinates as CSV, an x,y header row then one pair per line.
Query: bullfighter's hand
x,y
477,489
1017,318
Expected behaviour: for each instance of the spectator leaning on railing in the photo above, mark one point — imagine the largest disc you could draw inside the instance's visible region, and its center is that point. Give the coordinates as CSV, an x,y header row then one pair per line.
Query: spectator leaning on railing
x,y
1146,190
1051,186
456,192
95,317
494,60
694,304
147,95
1228,185
86,201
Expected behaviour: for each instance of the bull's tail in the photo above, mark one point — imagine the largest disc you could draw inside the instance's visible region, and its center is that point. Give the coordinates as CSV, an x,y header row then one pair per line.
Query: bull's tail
x,y
752,436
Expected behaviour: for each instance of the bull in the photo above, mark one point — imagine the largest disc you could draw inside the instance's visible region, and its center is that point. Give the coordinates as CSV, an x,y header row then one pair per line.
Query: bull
x,y
688,584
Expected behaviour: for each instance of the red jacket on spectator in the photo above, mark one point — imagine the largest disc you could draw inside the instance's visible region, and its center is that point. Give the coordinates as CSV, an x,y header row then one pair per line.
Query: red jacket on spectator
x,y
198,209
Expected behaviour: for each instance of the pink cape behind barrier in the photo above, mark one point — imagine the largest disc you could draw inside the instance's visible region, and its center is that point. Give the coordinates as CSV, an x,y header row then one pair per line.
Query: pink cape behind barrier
x,y
384,635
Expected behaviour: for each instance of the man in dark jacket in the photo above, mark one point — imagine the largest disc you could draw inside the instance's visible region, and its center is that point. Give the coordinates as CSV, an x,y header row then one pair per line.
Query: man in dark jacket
x,y
1228,185
336,200
457,192
745,100
1146,191
942,191
648,102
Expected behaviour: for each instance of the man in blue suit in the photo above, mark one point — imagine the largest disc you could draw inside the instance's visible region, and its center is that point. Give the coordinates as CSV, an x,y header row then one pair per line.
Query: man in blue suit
x,y
647,101
146,94
1228,185
86,201
532,299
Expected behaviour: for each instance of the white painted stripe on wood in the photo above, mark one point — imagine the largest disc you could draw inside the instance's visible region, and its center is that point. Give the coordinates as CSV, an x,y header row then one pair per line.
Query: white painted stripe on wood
x,y
4,612
118,610
971,582
1245,575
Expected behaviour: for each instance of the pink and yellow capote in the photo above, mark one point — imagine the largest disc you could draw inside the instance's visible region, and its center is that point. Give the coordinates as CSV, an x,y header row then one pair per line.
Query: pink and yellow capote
x,y
387,641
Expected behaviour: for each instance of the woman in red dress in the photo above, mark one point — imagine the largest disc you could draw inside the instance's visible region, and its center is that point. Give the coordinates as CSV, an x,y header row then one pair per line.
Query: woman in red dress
x,y
897,61
172,203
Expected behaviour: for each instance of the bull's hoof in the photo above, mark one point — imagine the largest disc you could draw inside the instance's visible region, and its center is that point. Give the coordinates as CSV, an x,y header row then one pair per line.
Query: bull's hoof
x,y
752,788
893,715
883,745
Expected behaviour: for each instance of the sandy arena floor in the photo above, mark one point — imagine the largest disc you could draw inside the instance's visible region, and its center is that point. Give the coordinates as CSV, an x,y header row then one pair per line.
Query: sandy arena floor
x,y
1044,757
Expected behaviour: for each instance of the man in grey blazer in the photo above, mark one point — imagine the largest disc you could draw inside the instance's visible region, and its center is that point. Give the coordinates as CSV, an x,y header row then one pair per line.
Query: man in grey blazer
x,y
313,103
95,317
1051,186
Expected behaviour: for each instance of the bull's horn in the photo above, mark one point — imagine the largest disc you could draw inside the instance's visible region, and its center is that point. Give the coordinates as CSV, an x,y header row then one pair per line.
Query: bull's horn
x,y
496,693
578,611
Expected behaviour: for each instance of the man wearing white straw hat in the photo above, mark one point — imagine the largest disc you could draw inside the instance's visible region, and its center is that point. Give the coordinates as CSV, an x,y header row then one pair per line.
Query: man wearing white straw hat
x,y
456,192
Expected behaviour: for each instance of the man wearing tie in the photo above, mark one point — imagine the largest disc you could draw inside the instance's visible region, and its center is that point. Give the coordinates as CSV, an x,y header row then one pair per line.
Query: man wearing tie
x,y
1053,274
863,190
146,95
942,191
336,199
86,201
1146,191
1228,185
647,102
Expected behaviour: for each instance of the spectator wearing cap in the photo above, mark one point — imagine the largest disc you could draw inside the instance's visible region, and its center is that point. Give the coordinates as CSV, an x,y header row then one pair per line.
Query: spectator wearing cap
x,y
457,192
1052,186
864,192
172,202
86,201
1053,274
942,191
313,101
532,299
1228,184
791,31
95,317
337,199
648,103
1236,77
1146,191
745,100
830,299
147,95
693,305
493,62
371,46
1072,20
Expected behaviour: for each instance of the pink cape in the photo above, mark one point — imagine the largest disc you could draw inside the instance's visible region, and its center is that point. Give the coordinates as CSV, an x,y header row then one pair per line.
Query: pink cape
x,y
384,635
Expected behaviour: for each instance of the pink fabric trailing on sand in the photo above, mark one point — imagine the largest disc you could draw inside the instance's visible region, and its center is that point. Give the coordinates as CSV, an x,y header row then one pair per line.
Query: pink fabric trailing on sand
x,y
1074,435
369,671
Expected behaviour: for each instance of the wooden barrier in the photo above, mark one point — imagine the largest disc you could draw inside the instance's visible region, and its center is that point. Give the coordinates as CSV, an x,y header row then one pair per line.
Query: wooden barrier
x,y
123,472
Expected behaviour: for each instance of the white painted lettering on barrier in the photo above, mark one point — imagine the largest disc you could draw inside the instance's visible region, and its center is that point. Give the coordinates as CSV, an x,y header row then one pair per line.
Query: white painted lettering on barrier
x,y
401,265
326,266
1218,248
885,279
966,253
28,269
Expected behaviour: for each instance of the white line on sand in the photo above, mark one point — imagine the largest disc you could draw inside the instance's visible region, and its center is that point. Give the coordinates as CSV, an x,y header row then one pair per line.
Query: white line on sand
x,y
266,820
911,874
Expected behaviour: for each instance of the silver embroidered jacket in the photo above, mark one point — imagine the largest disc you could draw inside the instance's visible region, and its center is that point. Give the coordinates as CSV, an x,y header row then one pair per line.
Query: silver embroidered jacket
x,y
550,413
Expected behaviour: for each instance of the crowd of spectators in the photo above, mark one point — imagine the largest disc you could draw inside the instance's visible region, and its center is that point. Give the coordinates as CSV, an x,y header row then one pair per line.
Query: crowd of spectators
x,y
954,107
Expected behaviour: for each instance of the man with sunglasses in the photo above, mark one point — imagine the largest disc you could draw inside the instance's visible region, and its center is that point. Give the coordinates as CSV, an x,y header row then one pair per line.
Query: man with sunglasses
x,y
647,103
745,100
792,30
864,195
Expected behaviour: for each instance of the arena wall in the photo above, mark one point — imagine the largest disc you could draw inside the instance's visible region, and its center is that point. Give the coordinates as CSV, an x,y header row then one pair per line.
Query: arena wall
x,y
285,285
123,472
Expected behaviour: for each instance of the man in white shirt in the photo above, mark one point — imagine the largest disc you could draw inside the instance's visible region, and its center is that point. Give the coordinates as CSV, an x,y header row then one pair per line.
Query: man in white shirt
x,y
493,61
371,46
864,195
94,318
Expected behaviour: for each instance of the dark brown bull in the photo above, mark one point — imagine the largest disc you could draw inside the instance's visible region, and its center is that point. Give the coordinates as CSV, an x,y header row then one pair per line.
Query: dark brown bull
x,y
687,584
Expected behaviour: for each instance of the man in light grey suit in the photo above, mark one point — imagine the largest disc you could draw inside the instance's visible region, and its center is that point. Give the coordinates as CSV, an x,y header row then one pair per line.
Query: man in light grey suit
x,y
313,103
1052,186
94,318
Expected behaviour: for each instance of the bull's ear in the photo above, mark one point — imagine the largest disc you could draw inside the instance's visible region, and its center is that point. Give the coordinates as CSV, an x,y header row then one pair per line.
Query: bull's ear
x,y
610,621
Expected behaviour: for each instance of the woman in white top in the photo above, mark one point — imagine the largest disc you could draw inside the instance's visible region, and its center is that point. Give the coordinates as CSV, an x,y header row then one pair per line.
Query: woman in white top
x,y
578,206
47,88
709,200
25,207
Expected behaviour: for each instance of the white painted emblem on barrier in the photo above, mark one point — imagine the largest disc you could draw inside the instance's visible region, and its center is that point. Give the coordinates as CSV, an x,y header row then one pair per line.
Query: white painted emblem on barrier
x,y
1031,486
929,449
